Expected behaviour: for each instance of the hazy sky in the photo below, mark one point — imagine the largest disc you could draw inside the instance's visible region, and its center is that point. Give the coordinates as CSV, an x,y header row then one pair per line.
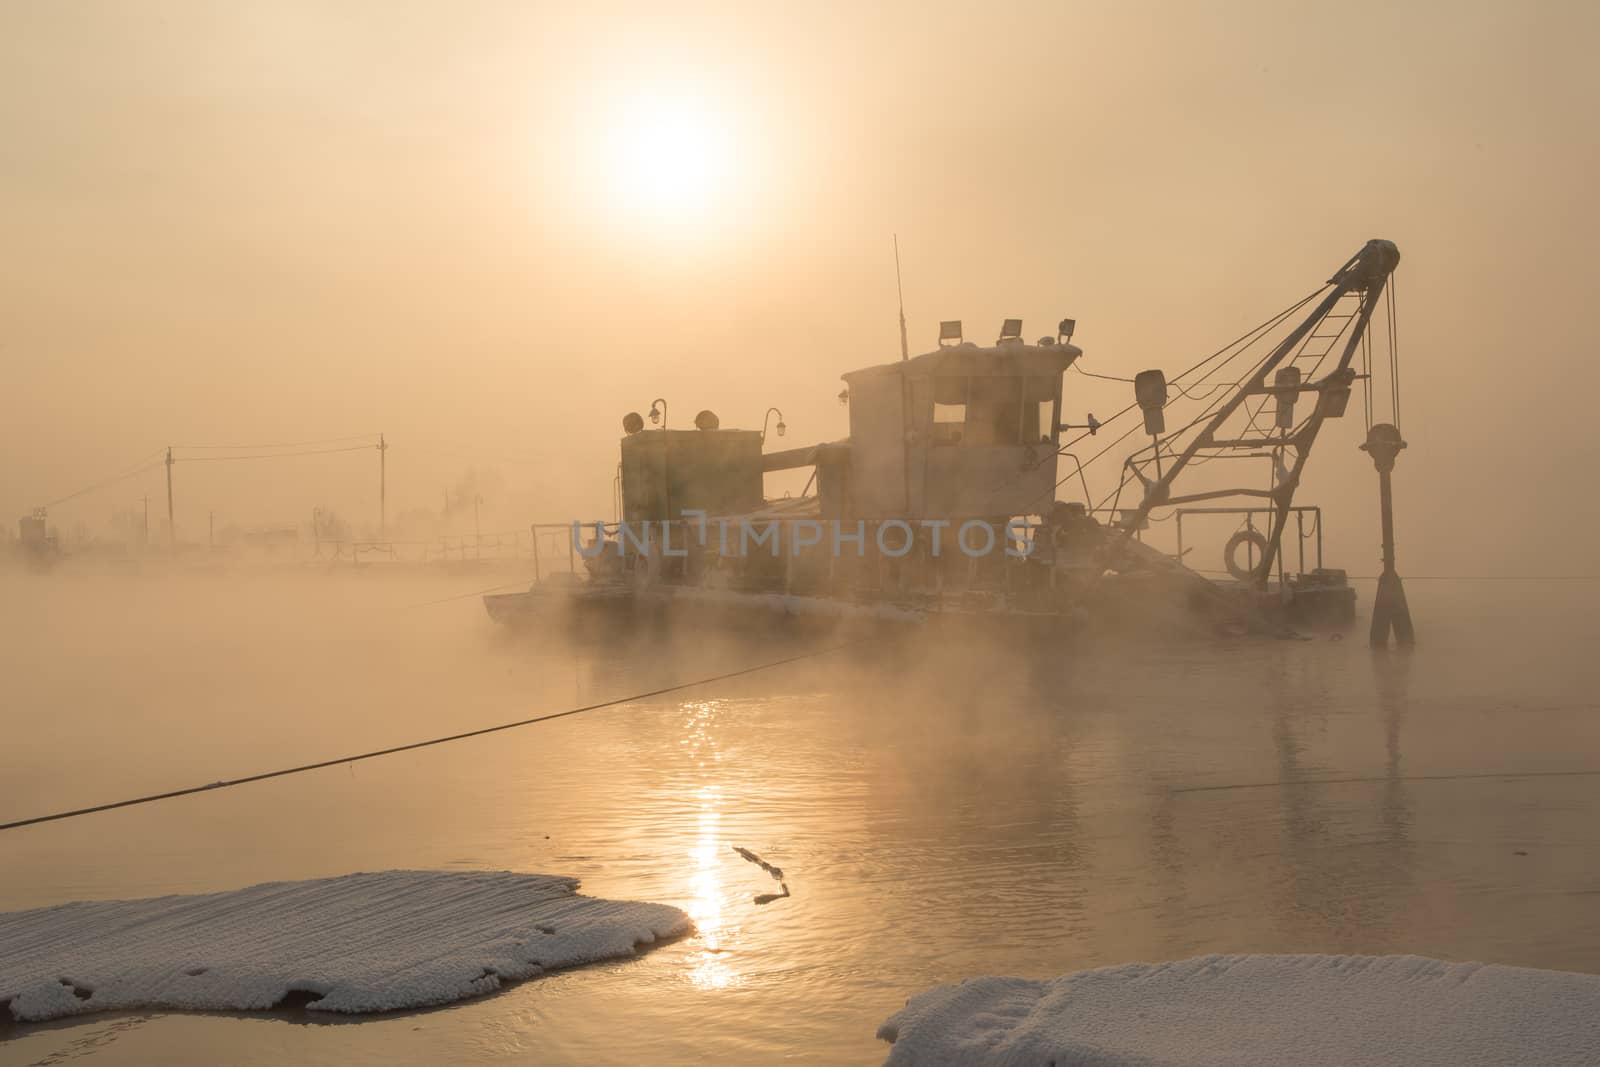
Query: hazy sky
x,y
489,230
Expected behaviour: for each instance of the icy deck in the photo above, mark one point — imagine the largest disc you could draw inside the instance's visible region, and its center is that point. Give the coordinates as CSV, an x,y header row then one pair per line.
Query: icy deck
x,y
1242,1011
359,943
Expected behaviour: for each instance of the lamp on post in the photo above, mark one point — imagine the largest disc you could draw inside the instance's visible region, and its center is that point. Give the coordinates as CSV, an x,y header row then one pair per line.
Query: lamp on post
x,y
658,413
765,418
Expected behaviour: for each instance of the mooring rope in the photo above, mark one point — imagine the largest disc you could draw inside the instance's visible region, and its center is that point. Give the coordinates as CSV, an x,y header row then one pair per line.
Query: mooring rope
x,y
1384,779
521,583
319,765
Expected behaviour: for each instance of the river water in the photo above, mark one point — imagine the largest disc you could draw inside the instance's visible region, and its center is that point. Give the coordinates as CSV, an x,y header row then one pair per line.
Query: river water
x,y
938,813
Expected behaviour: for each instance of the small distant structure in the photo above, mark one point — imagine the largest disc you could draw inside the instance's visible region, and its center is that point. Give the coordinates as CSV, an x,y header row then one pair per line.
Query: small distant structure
x,y
272,541
35,531
38,545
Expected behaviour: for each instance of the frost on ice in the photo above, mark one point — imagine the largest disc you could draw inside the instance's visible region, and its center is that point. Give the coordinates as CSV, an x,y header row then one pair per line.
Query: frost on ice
x,y
1243,1011
359,943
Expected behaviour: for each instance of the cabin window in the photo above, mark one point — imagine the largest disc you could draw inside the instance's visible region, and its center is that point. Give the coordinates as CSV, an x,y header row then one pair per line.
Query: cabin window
x,y
993,410
949,410
1038,416
996,413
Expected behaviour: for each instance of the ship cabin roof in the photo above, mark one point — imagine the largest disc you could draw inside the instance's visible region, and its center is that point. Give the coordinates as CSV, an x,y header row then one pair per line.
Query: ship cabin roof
x,y
1009,359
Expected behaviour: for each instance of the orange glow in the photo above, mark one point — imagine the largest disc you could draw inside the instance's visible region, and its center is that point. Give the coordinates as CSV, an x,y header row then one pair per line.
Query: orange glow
x,y
710,964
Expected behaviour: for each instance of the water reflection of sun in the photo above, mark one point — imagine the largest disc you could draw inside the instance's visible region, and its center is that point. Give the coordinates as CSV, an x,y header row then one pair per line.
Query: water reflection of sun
x,y
710,966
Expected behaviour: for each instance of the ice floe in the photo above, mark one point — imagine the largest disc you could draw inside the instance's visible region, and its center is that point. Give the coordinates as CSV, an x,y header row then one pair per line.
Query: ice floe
x,y
358,943
1243,1011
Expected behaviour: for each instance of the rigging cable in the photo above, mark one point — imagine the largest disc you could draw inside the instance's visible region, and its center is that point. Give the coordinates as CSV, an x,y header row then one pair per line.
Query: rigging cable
x,y
1394,351
1105,377
282,772
1249,337
1191,396
1127,464
1172,386
1253,336
1366,376
1242,342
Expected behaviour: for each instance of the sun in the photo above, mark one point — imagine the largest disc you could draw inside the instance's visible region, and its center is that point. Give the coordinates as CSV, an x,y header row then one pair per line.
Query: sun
x,y
659,158
669,162
679,160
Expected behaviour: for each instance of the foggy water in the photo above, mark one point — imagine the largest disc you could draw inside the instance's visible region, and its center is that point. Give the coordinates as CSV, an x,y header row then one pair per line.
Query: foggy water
x,y
937,817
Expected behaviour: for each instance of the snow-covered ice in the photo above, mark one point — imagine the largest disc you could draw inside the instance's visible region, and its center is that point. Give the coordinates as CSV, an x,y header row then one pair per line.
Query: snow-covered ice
x,y
358,943
1243,1011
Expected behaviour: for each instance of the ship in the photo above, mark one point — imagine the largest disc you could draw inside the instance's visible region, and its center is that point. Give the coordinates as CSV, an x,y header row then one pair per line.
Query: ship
x,y
959,500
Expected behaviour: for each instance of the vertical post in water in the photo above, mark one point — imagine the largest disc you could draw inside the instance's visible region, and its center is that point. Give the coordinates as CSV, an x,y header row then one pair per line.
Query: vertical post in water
x,y
1389,608
172,529
383,488
905,348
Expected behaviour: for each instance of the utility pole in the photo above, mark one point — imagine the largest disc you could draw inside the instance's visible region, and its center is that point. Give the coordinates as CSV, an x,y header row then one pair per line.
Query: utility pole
x,y
146,499
172,529
477,529
383,487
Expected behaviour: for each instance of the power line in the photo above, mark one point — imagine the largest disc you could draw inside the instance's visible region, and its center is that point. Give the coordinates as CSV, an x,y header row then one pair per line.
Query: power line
x,y
151,460
139,468
270,455
227,783
283,444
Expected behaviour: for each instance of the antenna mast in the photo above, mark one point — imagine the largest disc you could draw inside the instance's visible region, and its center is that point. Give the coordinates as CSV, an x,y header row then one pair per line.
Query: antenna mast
x,y
905,351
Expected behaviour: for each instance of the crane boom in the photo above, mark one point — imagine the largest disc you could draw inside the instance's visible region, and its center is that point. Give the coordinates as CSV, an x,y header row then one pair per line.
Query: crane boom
x,y
1362,278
